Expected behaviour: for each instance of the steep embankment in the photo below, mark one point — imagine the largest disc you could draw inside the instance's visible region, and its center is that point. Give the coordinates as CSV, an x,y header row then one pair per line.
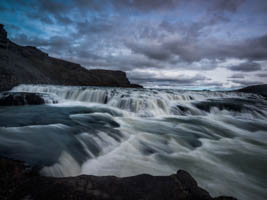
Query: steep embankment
x,y
29,65
256,89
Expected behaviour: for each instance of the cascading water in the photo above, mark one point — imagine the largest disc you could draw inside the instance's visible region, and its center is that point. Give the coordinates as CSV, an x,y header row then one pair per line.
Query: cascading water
x,y
149,103
219,137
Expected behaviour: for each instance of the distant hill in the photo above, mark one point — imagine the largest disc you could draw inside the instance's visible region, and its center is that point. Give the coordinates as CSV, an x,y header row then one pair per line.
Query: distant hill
x,y
256,89
29,65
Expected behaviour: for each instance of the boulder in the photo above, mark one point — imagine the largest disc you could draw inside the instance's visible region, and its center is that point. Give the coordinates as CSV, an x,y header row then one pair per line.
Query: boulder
x,y
20,98
19,182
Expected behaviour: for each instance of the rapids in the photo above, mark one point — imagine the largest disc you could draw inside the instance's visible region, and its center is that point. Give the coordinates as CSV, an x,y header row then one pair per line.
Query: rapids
x,y
219,137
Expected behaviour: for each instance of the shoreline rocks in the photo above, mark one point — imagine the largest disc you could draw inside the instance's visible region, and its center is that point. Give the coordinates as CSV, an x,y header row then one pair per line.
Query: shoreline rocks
x,y
18,181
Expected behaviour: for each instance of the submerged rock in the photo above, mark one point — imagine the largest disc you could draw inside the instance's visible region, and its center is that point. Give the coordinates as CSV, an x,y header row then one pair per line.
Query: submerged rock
x,y
18,182
226,104
22,98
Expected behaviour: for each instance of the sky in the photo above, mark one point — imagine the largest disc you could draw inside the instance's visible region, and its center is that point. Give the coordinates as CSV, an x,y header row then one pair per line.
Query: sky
x,y
195,44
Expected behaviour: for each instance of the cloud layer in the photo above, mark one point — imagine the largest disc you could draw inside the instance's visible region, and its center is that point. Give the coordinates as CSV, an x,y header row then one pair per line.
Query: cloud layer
x,y
175,42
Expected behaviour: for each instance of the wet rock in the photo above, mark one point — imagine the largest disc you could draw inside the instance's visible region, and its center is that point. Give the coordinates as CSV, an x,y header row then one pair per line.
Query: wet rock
x,y
20,98
226,104
18,182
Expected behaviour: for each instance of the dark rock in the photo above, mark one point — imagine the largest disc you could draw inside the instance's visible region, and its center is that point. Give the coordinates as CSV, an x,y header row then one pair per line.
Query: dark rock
x,y
225,104
136,86
16,182
29,65
256,89
3,34
20,98
183,108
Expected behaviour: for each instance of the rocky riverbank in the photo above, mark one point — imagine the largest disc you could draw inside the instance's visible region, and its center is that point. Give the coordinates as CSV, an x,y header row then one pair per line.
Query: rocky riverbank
x,y
18,181
29,65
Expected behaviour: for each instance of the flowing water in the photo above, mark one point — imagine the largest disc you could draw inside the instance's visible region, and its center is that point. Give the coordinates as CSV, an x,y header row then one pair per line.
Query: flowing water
x,y
219,137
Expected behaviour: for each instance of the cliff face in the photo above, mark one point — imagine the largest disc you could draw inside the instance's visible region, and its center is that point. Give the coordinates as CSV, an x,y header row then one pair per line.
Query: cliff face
x,y
29,65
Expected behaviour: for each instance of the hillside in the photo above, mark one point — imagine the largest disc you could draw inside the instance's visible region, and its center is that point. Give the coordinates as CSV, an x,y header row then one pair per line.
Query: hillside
x,y
256,89
29,65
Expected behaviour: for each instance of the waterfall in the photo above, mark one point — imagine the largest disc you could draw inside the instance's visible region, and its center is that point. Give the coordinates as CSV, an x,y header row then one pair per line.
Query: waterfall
x,y
150,102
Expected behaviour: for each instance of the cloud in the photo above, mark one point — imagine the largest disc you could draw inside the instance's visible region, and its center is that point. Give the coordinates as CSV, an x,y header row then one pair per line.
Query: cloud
x,y
151,35
146,5
237,76
226,5
46,19
246,67
190,50
146,77
53,45
262,75
151,51
253,49
96,25
247,82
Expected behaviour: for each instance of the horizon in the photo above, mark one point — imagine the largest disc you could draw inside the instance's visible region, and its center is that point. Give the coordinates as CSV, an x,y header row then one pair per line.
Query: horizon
x,y
214,45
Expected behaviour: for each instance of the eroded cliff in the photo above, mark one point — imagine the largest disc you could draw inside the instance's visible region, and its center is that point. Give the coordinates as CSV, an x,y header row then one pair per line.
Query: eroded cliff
x,y
29,65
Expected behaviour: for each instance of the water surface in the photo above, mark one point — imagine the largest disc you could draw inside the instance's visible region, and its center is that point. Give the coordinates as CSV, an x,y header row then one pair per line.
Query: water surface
x,y
219,137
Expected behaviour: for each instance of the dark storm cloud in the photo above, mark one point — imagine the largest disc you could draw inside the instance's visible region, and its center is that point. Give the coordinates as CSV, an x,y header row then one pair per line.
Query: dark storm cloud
x,y
51,12
192,30
193,50
13,27
238,76
58,9
154,5
246,67
141,77
155,35
247,82
146,5
54,45
226,5
252,49
151,51
122,63
213,83
55,7
186,50
96,25
262,75
42,18
2,8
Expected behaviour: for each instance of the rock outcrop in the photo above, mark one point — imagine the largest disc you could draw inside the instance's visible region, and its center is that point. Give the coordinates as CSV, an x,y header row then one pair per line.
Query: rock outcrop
x,y
29,65
24,98
18,182
256,89
16,99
